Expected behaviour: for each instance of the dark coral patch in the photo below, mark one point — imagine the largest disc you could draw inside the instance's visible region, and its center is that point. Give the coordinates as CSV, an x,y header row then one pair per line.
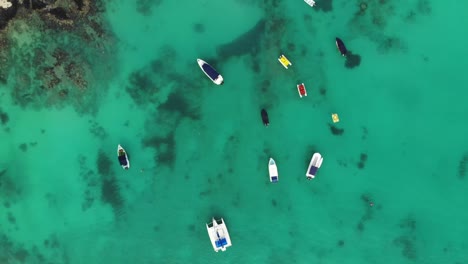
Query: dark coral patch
x,y
59,13
104,164
141,84
145,7
178,103
462,165
23,147
362,160
340,243
352,60
110,194
4,117
408,248
165,147
324,5
198,27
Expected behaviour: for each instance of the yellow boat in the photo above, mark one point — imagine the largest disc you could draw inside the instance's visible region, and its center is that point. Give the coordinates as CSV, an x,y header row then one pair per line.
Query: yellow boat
x,y
284,61
335,118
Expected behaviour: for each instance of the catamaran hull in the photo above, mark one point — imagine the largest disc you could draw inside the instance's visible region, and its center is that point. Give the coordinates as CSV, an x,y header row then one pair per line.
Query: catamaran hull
x,y
216,232
210,72
301,90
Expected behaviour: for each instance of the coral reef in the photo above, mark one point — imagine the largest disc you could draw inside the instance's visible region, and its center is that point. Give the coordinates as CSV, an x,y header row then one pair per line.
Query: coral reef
x,y
172,106
54,69
7,12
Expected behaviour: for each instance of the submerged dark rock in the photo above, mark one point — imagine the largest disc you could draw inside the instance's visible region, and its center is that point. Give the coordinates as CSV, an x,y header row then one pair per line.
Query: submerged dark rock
x,y
7,14
34,4
79,3
59,13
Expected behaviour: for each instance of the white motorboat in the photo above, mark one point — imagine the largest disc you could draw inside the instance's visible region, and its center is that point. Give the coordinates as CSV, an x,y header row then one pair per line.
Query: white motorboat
x,y
310,2
210,72
314,165
273,169
123,157
219,235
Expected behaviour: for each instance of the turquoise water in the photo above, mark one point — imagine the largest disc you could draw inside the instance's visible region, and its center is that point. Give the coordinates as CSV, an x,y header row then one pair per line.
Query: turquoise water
x,y
198,150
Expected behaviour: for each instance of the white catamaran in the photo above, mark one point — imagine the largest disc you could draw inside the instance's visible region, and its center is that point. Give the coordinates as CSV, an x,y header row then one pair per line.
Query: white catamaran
x,y
219,235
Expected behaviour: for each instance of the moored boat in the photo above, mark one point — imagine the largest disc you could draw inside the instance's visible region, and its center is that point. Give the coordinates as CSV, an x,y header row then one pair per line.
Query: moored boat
x,y
210,72
219,235
273,170
341,47
284,61
314,165
301,90
265,119
123,157
310,2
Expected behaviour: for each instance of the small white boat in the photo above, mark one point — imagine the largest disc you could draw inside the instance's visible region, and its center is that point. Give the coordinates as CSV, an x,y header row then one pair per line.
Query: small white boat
x,y
210,72
123,157
219,235
273,170
310,2
314,165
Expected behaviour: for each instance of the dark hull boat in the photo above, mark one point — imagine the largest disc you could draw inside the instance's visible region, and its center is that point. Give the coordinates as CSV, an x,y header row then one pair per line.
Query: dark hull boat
x,y
210,72
265,119
341,47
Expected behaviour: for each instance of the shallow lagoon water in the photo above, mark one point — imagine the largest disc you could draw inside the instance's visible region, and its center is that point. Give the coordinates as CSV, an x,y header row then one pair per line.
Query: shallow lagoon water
x,y
199,150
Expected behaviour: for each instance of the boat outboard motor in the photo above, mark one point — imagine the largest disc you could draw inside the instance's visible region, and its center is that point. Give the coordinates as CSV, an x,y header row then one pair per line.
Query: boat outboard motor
x,y
265,119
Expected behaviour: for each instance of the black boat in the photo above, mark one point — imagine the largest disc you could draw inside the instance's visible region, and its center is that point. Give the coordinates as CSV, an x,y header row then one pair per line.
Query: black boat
x,y
341,47
265,119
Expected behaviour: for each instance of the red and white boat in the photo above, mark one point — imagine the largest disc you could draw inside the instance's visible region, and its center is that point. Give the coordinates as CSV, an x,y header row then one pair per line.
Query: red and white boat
x,y
301,90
